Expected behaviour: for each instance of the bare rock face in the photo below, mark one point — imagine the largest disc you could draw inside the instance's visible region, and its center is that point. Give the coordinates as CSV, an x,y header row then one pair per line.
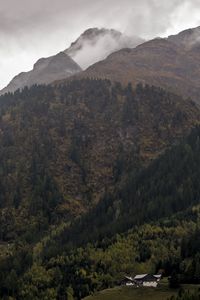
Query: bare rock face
x,y
45,71
96,44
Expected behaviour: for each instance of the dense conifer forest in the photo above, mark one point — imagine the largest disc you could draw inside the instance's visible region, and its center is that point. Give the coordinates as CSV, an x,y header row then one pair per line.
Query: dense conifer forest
x,y
97,181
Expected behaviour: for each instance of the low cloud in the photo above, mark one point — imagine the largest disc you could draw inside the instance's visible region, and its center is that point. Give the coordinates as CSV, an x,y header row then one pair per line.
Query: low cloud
x,y
99,47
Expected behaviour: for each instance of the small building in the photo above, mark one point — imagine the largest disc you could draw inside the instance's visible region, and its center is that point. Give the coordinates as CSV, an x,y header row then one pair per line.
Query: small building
x,y
147,280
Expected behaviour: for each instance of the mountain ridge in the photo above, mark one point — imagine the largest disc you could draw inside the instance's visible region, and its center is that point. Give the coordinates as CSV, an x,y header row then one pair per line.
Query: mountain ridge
x,y
98,42
161,62
45,71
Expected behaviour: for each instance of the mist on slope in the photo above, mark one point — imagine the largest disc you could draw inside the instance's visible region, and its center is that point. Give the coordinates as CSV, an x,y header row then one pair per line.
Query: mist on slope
x,y
89,51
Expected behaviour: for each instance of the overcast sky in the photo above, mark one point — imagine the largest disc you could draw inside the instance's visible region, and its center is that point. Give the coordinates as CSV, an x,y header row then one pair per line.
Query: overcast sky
x,y
33,29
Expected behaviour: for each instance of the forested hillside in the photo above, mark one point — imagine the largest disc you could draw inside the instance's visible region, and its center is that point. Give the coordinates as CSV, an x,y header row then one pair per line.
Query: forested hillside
x,y
99,150
62,148
153,205
56,268
157,192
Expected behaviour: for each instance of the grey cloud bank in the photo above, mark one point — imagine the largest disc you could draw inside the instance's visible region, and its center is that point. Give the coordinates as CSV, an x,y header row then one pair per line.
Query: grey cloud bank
x,y
30,30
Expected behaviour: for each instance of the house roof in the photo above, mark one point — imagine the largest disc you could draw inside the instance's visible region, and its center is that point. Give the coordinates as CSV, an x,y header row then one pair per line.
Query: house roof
x,y
147,277
144,277
129,278
140,276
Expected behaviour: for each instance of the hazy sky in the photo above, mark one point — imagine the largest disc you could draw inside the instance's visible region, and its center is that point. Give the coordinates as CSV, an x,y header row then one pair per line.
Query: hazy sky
x,y
33,29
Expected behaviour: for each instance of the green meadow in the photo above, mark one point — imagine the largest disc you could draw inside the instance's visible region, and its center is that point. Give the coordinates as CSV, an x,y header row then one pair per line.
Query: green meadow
x,y
163,292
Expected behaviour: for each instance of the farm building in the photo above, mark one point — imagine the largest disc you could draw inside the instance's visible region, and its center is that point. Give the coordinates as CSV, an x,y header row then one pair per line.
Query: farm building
x,y
146,280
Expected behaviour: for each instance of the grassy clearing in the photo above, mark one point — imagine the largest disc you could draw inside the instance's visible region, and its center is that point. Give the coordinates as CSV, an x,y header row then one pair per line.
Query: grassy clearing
x,y
131,293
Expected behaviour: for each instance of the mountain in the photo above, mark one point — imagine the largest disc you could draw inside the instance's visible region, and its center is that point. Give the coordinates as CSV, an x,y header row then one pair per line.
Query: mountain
x,y
172,63
96,44
45,71
93,45
99,174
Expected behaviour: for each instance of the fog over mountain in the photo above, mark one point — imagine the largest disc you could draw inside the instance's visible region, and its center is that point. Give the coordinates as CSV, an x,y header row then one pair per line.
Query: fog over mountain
x,y
31,30
172,63
92,46
96,44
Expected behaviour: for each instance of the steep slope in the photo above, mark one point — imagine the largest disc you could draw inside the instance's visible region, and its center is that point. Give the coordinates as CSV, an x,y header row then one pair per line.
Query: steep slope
x,y
45,71
96,44
168,186
64,146
158,194
170,243
171,63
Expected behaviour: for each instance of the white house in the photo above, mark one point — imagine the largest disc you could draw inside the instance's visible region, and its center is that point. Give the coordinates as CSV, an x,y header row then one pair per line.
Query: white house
x,y
146,280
